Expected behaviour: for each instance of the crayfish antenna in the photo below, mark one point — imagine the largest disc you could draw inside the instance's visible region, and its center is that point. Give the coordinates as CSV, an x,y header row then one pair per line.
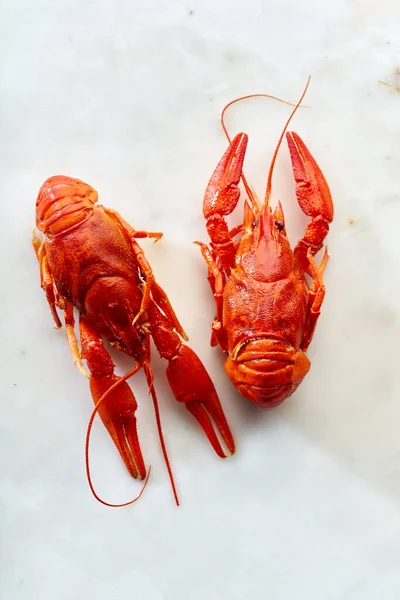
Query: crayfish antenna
x,y
87,442
224,127
150,378
252,197
271,169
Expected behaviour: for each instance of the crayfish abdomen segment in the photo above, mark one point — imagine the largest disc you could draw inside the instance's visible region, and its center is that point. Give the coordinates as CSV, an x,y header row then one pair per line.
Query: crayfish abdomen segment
x,y
267,371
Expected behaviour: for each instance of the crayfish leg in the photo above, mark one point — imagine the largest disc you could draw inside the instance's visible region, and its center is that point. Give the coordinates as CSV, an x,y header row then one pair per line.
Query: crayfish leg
x,y
163,302
46,278
316,296
132,233
72,340
216,279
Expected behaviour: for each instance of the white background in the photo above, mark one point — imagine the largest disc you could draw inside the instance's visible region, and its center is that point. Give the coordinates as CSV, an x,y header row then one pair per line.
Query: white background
x,y
126,96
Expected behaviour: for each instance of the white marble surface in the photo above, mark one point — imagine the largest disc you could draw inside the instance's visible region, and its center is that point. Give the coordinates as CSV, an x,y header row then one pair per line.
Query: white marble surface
x,y
126,95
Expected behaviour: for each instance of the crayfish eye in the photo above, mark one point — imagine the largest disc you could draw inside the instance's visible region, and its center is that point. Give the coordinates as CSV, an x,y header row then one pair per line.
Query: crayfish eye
x,y
255,223
280,225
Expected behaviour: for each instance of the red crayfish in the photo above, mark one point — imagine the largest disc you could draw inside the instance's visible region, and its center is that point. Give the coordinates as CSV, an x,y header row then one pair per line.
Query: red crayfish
x,y
90,259
266,311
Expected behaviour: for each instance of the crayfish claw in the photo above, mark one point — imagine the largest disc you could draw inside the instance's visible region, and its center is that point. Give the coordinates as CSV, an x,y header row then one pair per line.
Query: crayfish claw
x,y
312,190
189,381
313,196
191,384
202,417
118,416
202,412
114,399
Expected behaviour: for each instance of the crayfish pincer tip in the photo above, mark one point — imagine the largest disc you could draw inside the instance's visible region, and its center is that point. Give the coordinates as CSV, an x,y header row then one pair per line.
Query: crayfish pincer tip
x,y
202,411
198,393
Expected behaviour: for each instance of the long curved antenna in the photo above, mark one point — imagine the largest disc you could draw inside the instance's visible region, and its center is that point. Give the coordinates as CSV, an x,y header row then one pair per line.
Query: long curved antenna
x,y
88,432
269,182
149,376
246,98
